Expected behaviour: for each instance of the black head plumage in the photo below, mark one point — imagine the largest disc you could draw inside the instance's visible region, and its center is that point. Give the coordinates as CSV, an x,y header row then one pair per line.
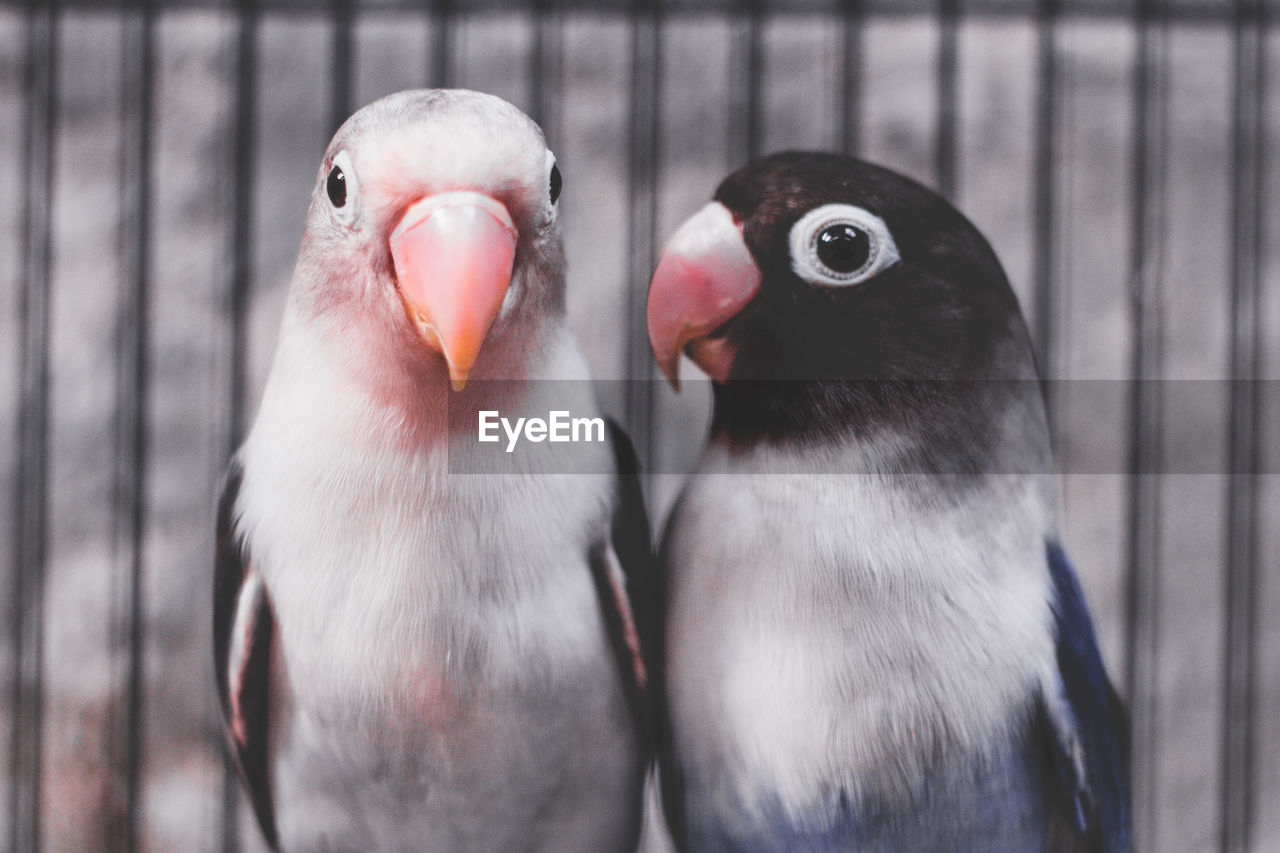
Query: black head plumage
x,y
922,330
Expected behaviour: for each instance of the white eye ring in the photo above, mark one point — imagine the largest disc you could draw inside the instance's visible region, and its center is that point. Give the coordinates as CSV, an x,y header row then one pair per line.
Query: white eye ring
x,y
805,262
351,208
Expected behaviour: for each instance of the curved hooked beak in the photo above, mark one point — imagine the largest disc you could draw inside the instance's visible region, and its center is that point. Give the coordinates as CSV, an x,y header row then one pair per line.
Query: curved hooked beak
x,y
705,277
453,255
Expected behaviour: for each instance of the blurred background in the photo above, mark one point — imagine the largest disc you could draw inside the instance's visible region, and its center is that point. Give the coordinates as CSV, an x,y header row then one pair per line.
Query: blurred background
x,y
155,165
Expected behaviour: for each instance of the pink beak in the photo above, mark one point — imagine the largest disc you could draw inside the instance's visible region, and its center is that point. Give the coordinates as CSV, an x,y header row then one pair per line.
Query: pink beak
x,y
453,256
705,277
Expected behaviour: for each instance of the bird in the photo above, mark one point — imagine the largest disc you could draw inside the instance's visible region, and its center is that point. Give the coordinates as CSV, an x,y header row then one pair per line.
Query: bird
x,y
873,638
419,646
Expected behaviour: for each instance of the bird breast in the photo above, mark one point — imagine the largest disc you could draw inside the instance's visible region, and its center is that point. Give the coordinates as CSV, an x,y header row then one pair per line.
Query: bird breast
x,y
849,630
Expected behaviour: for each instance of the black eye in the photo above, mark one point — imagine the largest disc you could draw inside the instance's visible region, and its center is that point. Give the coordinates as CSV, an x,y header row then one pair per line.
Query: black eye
x,y
844,248
336,187
556,182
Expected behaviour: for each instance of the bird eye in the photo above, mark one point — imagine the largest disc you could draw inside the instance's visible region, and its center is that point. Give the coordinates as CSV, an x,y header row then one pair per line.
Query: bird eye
x,y
556,182
837,245
342,187
336,187
844,247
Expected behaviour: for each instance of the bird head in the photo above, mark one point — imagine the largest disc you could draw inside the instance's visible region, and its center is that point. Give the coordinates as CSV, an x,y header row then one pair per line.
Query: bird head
x,y
820,266
433,225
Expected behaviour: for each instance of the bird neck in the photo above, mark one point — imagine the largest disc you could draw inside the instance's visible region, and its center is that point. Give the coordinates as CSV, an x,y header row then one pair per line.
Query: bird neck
x,y
945,427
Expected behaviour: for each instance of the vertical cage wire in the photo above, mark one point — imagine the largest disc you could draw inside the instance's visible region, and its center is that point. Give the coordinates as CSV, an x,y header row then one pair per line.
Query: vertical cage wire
x,y
1146,425
442,48
341,53
30,535
1046,135
1248,174
545,65
852,21
746,61
642,180
947,115
133,338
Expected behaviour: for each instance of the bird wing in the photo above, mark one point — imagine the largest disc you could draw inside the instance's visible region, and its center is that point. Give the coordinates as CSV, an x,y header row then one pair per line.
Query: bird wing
x,y
243,625
623,572
1089,740
671,775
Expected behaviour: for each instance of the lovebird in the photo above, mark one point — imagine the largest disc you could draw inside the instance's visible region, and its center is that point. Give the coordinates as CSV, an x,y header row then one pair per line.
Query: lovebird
x,y
873,639
409,656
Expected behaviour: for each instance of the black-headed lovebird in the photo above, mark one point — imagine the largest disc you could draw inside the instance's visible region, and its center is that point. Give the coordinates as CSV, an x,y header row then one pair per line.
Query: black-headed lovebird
x,y
873,638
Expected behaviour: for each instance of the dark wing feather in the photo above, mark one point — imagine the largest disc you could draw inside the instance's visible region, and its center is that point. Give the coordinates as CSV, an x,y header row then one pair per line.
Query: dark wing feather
x,y
634,545
622,570
1090,730
670,774
243,625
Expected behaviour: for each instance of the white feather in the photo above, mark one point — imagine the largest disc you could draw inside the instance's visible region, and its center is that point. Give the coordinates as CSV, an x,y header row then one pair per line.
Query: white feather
x,y
432,617
854,629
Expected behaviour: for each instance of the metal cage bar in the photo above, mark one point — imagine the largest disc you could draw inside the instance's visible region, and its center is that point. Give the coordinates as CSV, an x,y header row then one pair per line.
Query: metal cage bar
x,y
132,437
1146,427
342,50
642,180
1043,243
1247,173
442,52
947,116
31,523
851,61
745,59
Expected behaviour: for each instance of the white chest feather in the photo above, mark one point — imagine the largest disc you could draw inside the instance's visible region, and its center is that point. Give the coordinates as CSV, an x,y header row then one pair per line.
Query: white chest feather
x,y
439,639
374,550
850,630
